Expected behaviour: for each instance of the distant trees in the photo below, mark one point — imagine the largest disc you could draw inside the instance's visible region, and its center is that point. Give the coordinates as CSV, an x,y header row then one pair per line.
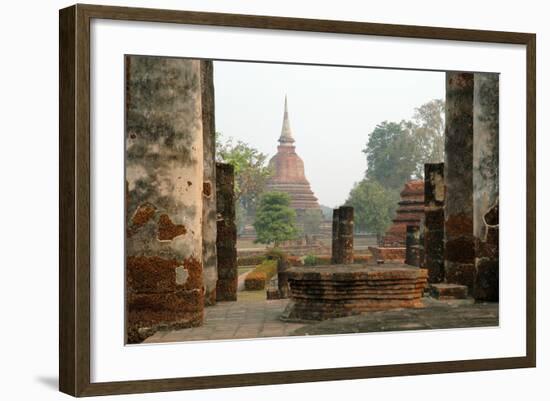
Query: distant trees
x,y
395,153
427,129
312,221
275,220
390,155
251,174
373,206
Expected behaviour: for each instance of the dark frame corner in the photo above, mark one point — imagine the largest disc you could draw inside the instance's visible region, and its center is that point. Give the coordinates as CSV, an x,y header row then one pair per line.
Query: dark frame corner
x,y
74,199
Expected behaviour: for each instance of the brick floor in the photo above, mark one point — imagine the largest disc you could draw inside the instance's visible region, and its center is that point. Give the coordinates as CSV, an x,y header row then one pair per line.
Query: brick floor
x,y
253,316
233,320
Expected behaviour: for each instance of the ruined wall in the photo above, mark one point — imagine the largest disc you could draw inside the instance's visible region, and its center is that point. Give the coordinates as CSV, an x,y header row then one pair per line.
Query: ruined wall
x,y
434,221
335,258
486,187
164,195
226,243
413,251
459,241
209,258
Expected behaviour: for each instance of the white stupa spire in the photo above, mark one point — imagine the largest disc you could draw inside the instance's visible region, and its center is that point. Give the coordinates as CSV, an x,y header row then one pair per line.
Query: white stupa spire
x,y
286,132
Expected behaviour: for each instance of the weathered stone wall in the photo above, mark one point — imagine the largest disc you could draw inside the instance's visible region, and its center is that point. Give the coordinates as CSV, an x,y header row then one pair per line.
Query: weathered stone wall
x,y
342,235
486,186
164,176
226,243
412,246
434,221
388,254
335,237
208,187
459,241
345,235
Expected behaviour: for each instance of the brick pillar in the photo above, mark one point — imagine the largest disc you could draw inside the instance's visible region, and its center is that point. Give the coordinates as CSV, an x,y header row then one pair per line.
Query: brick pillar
x,y
226,242
459,240
345,235
486,189
335,237
412,246
434,221
210,271
164,176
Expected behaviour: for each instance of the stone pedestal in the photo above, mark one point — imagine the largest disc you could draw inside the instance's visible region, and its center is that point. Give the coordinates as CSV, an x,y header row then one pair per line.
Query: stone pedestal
x,y
448,291
434,221
486,186
327,292
164,195
226,242
459,240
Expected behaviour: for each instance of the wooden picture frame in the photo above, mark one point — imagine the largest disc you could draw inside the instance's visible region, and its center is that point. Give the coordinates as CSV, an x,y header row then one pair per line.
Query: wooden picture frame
x,y
74,199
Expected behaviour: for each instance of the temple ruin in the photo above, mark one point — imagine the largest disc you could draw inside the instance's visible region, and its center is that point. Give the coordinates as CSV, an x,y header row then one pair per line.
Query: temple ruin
x,y
288,171
410,211
181,252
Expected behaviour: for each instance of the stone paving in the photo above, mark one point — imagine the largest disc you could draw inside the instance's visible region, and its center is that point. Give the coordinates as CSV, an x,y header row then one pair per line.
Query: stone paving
x,y
246,318
253,316
435,315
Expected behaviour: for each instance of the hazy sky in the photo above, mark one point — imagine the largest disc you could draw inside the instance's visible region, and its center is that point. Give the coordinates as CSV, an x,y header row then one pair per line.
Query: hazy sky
x,y
332,111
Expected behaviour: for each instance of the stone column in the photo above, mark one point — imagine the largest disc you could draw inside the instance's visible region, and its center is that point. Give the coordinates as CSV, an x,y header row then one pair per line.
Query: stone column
x,y
434,221
283,266
345,235
459,240
209,258
164,176
335,237
226,242
486,188
412,242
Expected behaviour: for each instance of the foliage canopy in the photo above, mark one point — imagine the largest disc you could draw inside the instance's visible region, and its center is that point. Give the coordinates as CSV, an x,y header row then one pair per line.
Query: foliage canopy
x,y
275,220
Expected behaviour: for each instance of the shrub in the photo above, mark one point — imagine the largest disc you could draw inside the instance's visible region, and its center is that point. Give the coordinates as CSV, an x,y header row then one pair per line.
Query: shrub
x,y
250,260
255,281
310,260
264,271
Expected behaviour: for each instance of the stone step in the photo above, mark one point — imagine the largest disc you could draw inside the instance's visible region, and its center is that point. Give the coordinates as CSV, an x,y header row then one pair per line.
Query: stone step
x,y
448,291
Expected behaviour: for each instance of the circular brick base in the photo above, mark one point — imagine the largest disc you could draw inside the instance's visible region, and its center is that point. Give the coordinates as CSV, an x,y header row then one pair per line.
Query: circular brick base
x,y
326,292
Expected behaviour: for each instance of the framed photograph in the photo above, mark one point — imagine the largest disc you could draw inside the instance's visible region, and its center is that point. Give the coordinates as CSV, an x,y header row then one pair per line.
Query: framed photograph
x,y
250,200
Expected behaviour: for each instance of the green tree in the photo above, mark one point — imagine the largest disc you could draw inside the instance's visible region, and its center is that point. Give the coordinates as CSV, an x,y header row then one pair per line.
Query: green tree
x,y
373,206
428,129
391,155
396,152
275,219
251,169
251,174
